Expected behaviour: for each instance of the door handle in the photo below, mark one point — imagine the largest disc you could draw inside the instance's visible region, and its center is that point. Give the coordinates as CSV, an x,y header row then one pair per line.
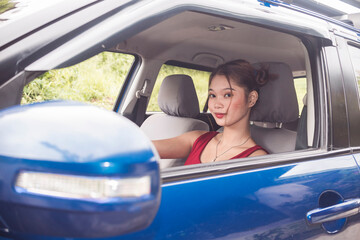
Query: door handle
x,y
338,211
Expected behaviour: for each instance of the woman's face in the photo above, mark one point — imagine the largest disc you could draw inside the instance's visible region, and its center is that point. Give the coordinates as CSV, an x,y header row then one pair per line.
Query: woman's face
x,y
229,104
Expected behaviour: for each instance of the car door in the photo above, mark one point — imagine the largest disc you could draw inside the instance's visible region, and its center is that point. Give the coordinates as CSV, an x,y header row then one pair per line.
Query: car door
x,y
259,203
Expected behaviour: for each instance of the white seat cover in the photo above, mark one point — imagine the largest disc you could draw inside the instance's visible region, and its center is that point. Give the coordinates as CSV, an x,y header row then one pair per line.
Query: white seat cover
x,y
277,104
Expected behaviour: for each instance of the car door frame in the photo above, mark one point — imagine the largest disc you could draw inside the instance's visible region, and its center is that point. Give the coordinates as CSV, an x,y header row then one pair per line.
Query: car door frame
x,y
351,92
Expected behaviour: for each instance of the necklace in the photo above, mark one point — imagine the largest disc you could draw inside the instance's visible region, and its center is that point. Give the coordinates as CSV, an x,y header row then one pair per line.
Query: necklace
x,y
217,145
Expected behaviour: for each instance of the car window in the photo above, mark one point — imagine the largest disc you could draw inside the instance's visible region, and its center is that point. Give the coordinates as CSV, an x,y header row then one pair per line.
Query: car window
x,y
97,81
355,58
300,88
200,79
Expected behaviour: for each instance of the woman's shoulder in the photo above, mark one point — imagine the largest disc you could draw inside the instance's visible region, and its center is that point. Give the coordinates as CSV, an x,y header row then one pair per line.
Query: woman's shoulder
x,y
195,135
258,151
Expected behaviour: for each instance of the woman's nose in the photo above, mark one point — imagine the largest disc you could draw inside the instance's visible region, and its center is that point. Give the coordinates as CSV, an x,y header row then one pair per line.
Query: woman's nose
x,y
218,104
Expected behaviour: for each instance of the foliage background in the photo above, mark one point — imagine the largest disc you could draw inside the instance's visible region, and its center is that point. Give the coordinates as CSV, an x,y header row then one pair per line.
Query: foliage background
x,y
97,80
6,5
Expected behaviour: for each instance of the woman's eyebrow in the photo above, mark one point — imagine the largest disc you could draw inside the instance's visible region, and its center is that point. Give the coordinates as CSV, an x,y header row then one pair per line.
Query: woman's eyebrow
x,y
224,89
231,89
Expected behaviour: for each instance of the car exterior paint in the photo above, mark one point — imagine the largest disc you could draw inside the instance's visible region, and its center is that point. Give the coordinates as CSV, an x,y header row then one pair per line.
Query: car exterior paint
x,y
266,203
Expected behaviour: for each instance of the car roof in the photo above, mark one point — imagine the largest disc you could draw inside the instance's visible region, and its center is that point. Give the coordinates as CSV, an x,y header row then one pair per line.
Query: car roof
x,y
167,27
29,16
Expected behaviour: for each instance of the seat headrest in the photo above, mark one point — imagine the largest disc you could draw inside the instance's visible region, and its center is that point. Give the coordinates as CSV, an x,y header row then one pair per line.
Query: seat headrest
x,y
177,96
277,101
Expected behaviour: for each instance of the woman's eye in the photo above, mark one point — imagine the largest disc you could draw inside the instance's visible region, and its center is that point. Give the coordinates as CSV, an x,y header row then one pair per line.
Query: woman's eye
x,y
211,95
227,95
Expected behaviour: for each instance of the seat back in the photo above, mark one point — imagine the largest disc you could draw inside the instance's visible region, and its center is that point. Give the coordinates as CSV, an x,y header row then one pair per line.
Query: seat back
x,y
178,100
277,104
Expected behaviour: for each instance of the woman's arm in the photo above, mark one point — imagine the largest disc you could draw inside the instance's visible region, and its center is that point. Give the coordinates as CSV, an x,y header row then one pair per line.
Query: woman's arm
x,y
177,147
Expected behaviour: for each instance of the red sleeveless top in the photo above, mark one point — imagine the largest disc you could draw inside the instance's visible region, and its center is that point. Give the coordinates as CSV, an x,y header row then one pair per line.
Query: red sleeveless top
x,y
203,140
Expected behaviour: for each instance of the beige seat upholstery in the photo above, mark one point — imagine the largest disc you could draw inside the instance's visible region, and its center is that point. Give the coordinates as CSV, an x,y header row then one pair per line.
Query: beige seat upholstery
x,y
178,100
276,106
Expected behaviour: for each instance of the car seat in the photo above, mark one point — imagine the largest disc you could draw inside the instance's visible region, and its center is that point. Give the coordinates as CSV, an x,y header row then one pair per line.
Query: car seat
x,y
178,100
277,104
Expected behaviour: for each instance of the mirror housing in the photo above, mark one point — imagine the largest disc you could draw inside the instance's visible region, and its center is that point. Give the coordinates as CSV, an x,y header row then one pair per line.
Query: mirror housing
x,y
73,170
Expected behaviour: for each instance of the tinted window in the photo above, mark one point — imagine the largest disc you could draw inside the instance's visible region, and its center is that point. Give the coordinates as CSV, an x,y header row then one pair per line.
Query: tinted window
x,y
97,81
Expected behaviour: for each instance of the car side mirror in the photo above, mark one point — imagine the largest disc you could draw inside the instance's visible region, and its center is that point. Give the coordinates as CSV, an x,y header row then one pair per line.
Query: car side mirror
x,y
73,170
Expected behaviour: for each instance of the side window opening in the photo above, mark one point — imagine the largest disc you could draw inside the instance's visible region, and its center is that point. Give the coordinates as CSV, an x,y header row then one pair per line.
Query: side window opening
x,y
97,81
273,134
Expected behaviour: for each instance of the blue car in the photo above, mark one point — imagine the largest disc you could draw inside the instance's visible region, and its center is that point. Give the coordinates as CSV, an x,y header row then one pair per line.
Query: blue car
x,y
70,169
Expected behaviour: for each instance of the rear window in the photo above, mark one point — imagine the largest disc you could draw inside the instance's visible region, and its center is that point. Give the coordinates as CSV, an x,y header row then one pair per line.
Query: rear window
x,y
200,79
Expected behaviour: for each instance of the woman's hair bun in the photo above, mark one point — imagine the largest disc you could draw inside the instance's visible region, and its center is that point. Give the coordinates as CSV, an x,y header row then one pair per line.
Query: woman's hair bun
x,y
261,76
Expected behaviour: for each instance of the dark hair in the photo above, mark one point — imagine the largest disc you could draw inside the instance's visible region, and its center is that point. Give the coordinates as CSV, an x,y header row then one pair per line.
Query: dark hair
x,y
243,74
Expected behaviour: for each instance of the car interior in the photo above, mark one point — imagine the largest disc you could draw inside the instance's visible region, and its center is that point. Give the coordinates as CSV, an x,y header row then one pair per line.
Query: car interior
x,y
204,41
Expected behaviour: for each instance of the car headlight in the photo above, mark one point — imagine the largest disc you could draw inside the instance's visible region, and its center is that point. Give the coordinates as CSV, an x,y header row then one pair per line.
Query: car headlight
x,y
81,187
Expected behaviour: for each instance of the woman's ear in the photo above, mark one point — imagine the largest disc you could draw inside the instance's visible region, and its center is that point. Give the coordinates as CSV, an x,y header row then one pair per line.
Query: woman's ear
x,y
252,98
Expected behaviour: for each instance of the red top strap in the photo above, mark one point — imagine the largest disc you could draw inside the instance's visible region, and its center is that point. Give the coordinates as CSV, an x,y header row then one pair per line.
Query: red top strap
x,y
203,140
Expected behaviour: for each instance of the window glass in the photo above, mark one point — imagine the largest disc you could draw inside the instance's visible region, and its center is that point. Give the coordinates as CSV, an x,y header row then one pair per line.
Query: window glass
x,y
97,81
200,79
300,88
355,58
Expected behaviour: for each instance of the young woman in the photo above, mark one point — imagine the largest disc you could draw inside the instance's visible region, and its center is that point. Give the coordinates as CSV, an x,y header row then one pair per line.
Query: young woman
x,y
233,91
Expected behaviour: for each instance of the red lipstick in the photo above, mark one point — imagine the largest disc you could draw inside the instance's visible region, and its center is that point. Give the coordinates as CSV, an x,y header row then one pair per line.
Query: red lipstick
x,y
219,115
